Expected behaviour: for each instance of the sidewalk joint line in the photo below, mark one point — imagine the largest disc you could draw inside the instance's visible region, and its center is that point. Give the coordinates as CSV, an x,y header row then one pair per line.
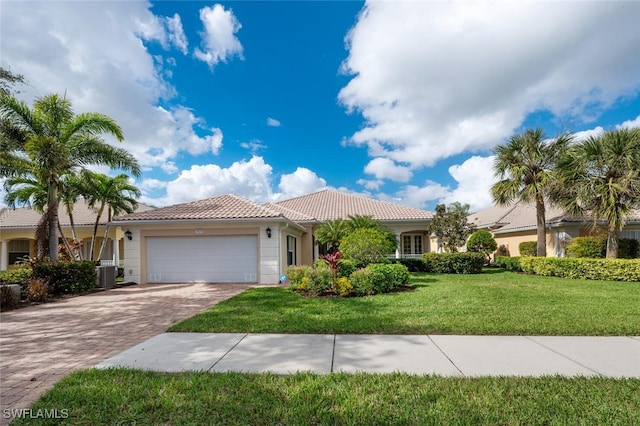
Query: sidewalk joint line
x,y
445,355
563,355
333,353
227,352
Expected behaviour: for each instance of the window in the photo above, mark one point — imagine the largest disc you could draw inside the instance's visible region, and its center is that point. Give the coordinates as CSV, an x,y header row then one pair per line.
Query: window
x,y
291,250
412,244
18,249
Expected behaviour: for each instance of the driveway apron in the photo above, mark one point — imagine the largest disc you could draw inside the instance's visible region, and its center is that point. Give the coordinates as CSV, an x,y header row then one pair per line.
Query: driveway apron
x,y
41,344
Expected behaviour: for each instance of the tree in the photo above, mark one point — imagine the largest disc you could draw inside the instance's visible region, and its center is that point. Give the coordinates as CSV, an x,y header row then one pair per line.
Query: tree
x,y
366,245
483,242
50,141
331,232
600,177
7,80
525,167
116,195
451,226
356,222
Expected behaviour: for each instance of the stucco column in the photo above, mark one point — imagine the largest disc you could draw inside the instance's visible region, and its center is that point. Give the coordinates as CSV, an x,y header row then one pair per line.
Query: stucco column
x,y
399,245
116,251
4,255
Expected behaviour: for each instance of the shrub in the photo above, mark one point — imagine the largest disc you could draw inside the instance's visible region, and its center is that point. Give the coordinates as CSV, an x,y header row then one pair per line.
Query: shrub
x,y
483,242
67,278
508,263
589,247
300,277
366,245
628,248
7,298
18,276
382,277
412,264
400,274
585,268
342,286
503,251
37,290
346,267
363,281
528,248
321,280
454,263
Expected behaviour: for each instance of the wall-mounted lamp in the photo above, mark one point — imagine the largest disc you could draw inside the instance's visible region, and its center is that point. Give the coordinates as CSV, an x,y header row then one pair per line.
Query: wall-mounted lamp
x,y
128,234
268,232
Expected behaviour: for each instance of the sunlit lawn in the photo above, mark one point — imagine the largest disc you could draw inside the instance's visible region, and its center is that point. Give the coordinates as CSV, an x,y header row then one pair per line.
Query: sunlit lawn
x,y
493,303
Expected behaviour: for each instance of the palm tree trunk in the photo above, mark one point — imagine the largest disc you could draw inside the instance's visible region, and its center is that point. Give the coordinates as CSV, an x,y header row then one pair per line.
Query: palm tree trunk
x,y
52,210
95,231
66,242
541,228
106,234
77,254
612,244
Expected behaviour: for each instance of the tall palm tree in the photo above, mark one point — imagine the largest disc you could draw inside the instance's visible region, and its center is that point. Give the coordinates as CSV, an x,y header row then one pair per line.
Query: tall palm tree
x,y
525,167
50,141
116,195
600,177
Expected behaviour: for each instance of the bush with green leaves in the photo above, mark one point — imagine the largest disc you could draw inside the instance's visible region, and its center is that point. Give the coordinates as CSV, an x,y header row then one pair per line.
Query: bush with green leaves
x,y
366,245
588,247
342,286
363,282
528,248
483,242
583,268
346,267
628,248
454,263
67,278
412,264
299,277
508,263
316,280
18,276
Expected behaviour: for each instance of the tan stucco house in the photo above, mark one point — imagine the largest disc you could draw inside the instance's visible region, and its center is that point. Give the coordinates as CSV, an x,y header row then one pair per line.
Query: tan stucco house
x,y
231,239
513,224
17,232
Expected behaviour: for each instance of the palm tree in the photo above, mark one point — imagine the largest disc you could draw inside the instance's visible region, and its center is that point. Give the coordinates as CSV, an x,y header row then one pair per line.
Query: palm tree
x,y
331,232
116,195
600,177
51,141
525,167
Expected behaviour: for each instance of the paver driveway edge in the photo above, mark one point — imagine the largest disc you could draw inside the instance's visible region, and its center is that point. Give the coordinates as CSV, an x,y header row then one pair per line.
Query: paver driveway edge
x,y
40,345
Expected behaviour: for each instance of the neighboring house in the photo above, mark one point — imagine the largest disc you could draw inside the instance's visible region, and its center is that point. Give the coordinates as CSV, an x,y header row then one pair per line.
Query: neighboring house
x,y
231,239
17,232
516,223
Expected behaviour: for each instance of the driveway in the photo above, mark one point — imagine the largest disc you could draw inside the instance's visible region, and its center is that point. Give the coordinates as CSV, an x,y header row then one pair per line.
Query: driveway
x,y
40,345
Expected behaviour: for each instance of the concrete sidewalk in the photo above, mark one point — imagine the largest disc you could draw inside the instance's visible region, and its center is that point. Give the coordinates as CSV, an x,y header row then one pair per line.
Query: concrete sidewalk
x,y
445,355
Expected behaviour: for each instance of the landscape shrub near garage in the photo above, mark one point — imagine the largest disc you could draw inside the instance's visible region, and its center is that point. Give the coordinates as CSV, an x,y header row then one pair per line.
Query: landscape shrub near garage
x,y
590,269
508,263
454,263
67,278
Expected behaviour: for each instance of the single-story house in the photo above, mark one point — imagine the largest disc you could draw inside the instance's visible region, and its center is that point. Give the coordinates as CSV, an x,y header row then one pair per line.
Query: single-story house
x,y
513,224
231,239
17,232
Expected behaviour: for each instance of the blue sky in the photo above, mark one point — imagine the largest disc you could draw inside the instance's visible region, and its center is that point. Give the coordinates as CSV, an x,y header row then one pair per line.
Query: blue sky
x,y
399,101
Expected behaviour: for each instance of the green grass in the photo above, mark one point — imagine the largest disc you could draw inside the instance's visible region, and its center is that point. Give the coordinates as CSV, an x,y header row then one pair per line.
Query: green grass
x,y
122,396
496,302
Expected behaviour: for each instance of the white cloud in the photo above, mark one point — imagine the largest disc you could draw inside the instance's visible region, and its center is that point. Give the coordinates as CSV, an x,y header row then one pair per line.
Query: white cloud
x,y
272,122
176,33
435,79
474,178
585,134
253,146
370,184
630,123
302,181
419,196
107,69
384,168
218,39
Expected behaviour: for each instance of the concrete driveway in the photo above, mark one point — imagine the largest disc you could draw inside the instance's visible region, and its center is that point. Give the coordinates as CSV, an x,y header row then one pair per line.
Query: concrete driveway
x,y
40,345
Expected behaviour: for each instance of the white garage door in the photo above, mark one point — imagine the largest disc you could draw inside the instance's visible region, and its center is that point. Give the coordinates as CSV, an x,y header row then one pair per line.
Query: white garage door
x,y
223,259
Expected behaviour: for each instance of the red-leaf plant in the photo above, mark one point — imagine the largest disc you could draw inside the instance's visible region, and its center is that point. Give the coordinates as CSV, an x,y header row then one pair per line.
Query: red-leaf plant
x,y
332,260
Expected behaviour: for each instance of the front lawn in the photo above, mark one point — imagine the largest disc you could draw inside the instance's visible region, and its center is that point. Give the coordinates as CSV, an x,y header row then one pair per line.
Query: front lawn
x,y
496,302
122,396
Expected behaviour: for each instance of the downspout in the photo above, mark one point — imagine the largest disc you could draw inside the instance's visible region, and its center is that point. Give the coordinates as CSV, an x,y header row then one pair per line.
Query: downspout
x,y
281,268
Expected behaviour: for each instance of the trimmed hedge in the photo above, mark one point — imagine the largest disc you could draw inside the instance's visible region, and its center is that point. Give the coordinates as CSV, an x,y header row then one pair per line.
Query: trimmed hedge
x,y
67,278
18,276
508,263
528,248
589,247
412,264
454,263
590,269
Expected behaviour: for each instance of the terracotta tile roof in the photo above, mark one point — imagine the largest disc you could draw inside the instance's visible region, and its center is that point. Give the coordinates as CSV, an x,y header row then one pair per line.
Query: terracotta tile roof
x,y
83,215
220,207
330,205
290,214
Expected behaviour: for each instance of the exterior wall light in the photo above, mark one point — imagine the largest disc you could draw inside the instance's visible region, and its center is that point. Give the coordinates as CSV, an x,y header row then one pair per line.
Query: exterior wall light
x,y
129,235
268,232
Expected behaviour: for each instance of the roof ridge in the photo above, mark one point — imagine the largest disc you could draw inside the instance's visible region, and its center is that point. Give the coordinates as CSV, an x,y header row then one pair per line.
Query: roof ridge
x,y
306,195
306,216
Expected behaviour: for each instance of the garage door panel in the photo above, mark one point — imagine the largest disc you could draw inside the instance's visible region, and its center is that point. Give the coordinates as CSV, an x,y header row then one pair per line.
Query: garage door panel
x,y
202,259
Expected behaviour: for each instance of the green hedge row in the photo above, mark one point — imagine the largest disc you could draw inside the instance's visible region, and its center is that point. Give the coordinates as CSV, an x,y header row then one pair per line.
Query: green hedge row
x,y
590,269
67,278
508,263
454,263
18,276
